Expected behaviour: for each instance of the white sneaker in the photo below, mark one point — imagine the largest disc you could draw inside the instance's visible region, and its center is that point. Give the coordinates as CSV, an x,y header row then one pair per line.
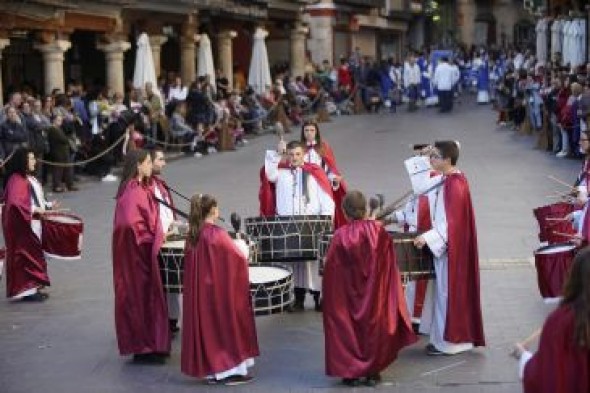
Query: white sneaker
x,y
211,149
245,141
197,155
561,154
110,178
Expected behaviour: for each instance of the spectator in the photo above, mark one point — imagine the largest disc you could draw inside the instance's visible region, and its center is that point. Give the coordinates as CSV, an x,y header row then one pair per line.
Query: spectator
x,y
13,133
59,152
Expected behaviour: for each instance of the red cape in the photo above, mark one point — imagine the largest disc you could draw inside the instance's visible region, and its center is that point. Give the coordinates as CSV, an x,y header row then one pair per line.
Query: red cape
x,y
340,193
26,267
560,365
464,321
365,316
218,330
141,313
267,196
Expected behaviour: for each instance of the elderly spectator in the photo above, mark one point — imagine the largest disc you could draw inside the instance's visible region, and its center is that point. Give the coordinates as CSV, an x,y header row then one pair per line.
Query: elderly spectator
x,y
13,133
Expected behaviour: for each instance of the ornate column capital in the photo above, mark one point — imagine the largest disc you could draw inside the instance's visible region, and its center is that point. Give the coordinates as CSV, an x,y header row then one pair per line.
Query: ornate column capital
x,y
157,40
54,50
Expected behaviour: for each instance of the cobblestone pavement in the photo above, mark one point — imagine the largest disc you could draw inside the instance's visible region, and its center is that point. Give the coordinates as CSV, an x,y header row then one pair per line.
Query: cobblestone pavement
x,y
67,344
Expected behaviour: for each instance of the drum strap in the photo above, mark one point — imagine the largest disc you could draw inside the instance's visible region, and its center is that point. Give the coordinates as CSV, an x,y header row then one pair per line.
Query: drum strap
x,y
35,197
305,186
169,206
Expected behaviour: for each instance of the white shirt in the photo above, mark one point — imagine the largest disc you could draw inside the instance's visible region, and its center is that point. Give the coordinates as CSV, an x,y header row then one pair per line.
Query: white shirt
x,y
166,214
411,74
445,77
177,93
290,195
37,202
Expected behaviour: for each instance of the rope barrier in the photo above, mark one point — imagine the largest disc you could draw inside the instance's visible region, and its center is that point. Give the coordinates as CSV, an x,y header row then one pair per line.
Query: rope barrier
x,y
3,164
86,161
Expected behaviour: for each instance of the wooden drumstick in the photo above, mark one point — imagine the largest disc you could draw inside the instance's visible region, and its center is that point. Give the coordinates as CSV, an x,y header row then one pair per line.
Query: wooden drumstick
x,y
571,236
560,181
556,219
60,210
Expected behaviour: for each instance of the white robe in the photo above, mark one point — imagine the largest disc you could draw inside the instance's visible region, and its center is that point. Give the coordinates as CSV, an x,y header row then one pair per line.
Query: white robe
x,y
556,37
541,30
290,200
436,239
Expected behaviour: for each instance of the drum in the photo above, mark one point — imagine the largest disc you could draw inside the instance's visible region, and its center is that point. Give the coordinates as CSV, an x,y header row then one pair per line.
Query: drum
x,y
413,263
247,245
553,263
323,244
271,288
287,238
548,228
171,260
61,235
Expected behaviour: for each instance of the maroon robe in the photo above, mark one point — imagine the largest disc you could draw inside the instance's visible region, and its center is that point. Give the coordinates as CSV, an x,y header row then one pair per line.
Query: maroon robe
x,y
365,316
464,319
26,267
340,192
141,313
560,365
218,330
267,193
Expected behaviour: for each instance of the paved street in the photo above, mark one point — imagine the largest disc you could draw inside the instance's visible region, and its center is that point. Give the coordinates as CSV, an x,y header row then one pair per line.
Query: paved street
x,y
67,344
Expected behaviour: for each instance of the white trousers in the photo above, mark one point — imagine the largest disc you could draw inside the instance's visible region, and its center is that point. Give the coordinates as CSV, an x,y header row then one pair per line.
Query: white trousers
x,y
306,275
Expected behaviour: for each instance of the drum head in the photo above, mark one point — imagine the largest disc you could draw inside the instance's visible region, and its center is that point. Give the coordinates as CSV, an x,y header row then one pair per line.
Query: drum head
x,y
265,274
174,244
555,248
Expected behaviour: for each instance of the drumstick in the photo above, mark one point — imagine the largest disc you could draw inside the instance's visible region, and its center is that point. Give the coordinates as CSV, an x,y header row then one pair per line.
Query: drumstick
x,y
564,234
556,219
62,210
560,181
531,338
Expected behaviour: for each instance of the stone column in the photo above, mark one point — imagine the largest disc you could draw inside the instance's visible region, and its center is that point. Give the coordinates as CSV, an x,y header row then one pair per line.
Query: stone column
x,y
53,63
4,42
114,52
321,42
226,62
298,35
188,62
156,42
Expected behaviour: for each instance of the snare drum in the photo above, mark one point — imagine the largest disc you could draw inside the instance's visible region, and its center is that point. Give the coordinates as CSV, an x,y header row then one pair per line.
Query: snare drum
x,y
247,245
413,263
271,288
549,229
288,238
61,235
553,263
171,260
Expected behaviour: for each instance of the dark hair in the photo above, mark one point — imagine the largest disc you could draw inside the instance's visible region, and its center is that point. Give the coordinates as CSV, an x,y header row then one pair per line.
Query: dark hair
x,y
295,144
576,293
18,163
448,149
354,205
318,138
132,159
154,152
201,206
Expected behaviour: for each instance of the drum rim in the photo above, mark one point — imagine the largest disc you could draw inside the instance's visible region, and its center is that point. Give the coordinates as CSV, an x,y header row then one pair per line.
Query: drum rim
x,y
48,214
571,247
289,275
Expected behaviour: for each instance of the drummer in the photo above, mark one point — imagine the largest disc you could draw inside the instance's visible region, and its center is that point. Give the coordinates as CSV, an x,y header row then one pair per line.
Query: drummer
x,y
319,152
168,221
300,188
219,340
24,201
580,217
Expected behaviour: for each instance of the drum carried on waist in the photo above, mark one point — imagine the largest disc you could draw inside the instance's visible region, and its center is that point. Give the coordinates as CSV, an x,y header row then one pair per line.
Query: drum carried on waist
x,y
271,288
551,225
413,263
171,260
553,263
61,235
288,238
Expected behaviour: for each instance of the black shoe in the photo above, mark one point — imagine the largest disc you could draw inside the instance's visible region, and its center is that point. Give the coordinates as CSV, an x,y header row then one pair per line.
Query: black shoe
x,y
149,358
36,297
352,382
297,307
173,325
431,350
236,380
317,301
373,380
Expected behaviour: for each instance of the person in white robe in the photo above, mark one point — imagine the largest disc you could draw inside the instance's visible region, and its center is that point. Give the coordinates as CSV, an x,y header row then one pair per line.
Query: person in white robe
x,y
293,199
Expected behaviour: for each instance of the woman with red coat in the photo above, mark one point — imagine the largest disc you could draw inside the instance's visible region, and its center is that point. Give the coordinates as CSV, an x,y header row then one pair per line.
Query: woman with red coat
x,y
26,268
218,332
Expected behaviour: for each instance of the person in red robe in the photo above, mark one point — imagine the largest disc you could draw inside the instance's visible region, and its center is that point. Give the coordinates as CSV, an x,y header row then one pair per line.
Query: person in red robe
x,y
366,321
141,315
457,323
319,152
562,361
219,340
26,268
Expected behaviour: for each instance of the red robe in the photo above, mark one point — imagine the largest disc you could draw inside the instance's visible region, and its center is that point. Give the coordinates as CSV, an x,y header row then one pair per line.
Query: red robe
x,y
340,193
267,196
218,330
560,365
464,320
141,313
26,267
365,316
